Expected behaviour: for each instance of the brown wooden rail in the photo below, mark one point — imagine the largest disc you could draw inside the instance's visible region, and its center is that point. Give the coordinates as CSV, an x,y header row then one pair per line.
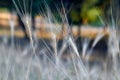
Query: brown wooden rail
x,y
88,32
82,32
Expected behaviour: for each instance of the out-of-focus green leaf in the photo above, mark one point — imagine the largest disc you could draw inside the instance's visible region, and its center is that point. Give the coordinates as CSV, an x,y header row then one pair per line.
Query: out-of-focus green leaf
x,y
74,15
92,14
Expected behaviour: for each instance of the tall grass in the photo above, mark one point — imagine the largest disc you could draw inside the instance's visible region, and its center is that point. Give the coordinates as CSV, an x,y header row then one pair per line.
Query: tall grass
x,y
46,63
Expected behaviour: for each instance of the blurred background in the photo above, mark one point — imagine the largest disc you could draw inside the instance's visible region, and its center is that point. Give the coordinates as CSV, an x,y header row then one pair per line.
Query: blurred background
x,y
79,11
87,18
56,32
92,13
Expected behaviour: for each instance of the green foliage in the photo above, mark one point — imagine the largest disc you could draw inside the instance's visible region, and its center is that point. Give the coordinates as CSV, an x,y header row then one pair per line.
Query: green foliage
x,y
82,9
90,11
75,15
3,10
92,14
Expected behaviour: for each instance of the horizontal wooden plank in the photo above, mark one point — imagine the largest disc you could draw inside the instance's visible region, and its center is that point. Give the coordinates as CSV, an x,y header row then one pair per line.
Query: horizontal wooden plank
x,y
82,32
